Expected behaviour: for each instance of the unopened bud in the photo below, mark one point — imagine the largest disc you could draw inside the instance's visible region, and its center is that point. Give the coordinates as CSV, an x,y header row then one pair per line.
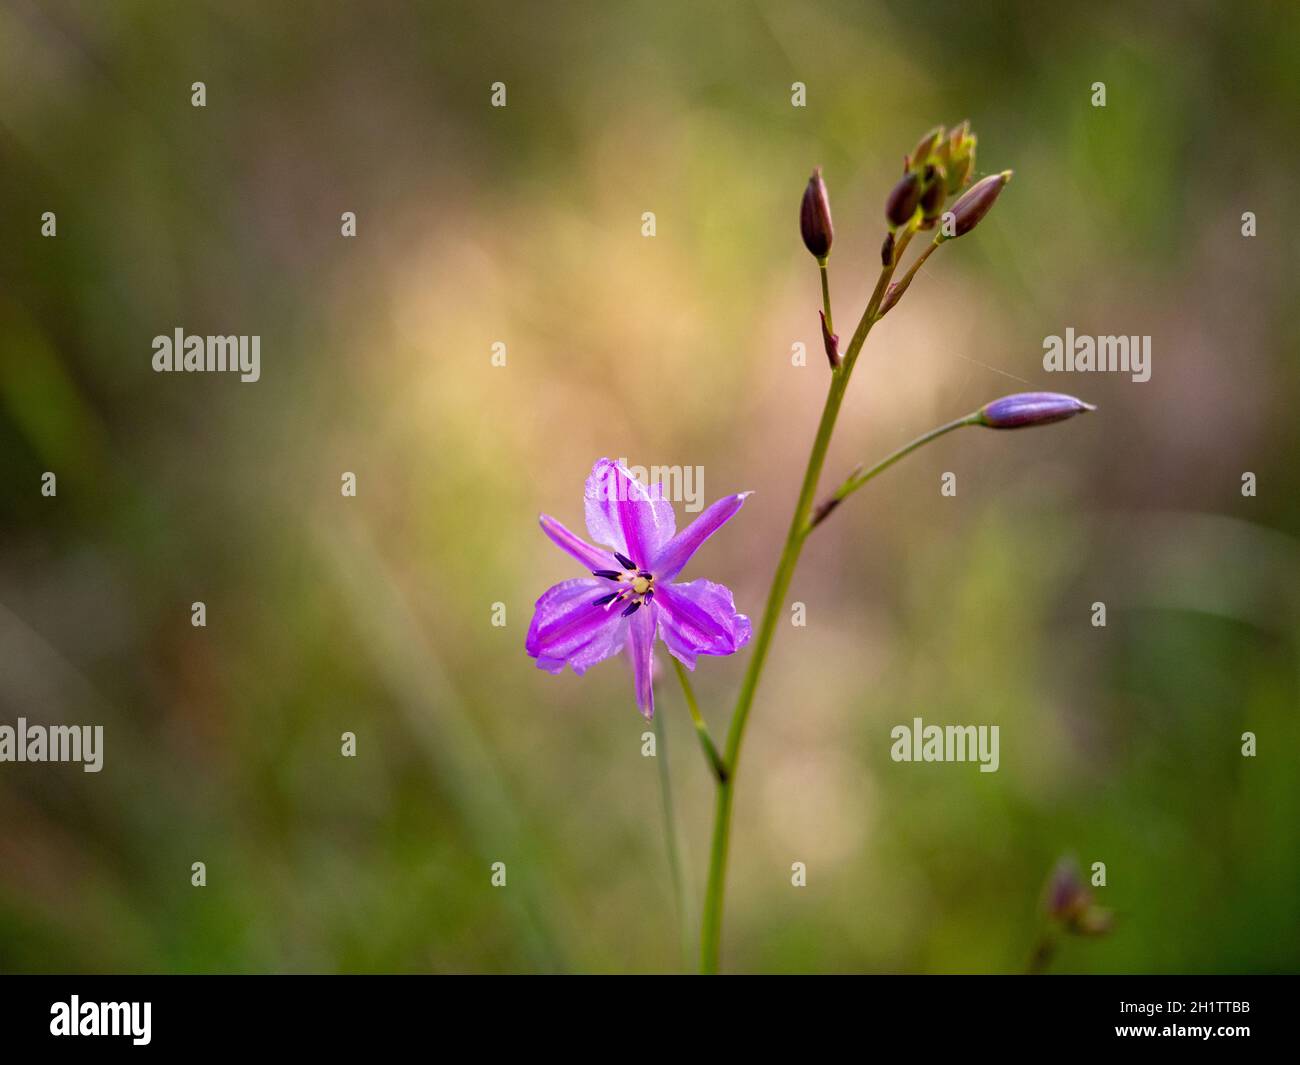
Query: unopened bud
x,y
974,204
815,217
936,191
924,148
887,250
1070,902
959,158
1030,408
903,198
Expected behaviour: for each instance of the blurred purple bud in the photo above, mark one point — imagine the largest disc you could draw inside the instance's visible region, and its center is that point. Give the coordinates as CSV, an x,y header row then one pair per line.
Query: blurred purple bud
x,y
1070,902
815,217
974,204
903,198
887,249
1030,408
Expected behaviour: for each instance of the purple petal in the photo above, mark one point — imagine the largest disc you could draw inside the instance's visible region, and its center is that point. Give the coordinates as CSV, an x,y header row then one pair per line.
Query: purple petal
x,y
592,558
678,551
569,629
624,515
641,625
699,618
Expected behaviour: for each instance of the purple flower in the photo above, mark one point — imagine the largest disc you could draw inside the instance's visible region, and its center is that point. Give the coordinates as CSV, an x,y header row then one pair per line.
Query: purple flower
x,y
631,595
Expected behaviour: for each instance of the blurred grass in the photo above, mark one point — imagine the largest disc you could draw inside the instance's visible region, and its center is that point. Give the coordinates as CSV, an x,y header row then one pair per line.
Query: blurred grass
x,y
522,225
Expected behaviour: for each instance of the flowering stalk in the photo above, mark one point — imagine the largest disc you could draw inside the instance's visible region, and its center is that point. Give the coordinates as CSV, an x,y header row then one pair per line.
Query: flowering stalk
x,y
937,168
711,924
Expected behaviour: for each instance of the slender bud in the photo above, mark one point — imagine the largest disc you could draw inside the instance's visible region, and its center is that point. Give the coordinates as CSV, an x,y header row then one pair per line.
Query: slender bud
x,y
1030,408
815,217
887,250
975,203
903,198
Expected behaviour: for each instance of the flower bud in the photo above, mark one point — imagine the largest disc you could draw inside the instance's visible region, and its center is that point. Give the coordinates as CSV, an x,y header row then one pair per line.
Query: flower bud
x,y
887,250
924,148
959,157
903,198
1070,902
936,191
974,204
1030,408
815,217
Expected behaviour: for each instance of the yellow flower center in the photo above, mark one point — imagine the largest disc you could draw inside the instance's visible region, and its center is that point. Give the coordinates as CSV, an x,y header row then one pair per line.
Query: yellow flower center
x,y
641,585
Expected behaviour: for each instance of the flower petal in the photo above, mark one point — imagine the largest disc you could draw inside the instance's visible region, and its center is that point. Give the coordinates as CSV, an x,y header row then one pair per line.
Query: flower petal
x,y
573,545
625,515
569,629
699,618
678,551
641,625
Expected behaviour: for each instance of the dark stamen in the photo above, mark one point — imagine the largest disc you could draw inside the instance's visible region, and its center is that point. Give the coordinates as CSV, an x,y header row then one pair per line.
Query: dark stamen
x,y
606,599
627,562
608,574
649,596
633,608
647,576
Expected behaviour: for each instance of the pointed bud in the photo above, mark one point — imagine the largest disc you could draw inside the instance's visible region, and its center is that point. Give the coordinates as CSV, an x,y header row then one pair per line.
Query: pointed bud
x,y
975,203
815,217
903,198
927,144
959,159
1030,408
887,250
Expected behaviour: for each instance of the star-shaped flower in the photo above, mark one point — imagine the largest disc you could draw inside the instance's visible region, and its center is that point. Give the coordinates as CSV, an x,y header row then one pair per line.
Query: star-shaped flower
x,y
632,594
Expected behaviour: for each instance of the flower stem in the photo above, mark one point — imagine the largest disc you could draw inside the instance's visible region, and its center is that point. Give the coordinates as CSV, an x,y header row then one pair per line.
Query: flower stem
x,y
671,840
716,763
858,479
711,923
826,296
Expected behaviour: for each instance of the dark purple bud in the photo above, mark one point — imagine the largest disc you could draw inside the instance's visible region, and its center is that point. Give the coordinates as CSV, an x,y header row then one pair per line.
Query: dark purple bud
x,y
903,198
974,204
1030,408
832,343
936,191
887,250
815,217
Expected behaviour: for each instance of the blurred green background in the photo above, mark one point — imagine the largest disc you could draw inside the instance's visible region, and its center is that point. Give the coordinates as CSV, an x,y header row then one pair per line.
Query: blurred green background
x,y
523,225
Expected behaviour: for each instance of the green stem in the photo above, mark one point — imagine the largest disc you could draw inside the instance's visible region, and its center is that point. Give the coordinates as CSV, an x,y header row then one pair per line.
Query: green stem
x,y
826,296
858,479
716,763
671,840
711,923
